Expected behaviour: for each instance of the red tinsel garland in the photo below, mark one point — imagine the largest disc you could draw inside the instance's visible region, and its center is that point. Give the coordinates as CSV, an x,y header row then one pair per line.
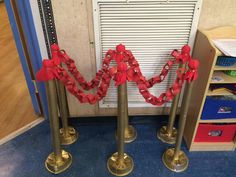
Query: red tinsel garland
x,y
127,69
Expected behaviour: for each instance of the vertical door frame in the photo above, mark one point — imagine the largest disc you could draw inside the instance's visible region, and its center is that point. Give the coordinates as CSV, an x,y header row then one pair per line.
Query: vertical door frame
x,y
22,24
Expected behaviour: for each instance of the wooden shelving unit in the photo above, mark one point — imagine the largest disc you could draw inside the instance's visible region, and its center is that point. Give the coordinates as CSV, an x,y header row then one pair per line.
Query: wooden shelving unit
x,y
207,53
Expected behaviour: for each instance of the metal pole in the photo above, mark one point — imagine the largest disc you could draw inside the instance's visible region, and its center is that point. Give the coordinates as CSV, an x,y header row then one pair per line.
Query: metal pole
x,y
59,160
167,134
68,134
182,120
173,158
173,110
53,115
63,105
130,132
126,118
121,121
120,164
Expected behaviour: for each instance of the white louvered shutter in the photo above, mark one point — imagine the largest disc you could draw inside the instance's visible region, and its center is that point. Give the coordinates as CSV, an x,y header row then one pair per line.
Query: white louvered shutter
x,y
151,29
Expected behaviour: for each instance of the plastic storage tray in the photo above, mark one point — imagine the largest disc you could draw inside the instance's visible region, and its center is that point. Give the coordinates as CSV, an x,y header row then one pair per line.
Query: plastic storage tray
x,y
225,61
215,133
215,108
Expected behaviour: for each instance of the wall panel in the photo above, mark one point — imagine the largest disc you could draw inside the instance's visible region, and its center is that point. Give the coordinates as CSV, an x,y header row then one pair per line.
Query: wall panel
x,y
74,26
71,19
217,13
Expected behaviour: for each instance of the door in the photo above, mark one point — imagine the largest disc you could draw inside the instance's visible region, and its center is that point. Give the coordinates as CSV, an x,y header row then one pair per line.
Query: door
x,y
22,24
27,51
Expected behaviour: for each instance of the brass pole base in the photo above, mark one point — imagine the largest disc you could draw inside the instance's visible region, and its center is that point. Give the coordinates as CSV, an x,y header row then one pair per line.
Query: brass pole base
x,y
130,134
166,137
120,167
68,137
176,165
57,166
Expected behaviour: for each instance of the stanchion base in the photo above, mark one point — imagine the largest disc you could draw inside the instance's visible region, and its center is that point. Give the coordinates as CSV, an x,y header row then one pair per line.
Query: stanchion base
x,y
177,165
130,134
119,167
57,166
166,137
68,137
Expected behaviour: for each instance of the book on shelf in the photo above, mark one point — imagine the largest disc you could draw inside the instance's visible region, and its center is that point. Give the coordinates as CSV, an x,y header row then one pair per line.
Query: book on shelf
x,y
216,88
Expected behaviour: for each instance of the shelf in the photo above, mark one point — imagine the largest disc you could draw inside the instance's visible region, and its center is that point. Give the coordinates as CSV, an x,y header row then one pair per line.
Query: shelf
x,y
233,120
212,146
221,68
207,54
226,79
218,93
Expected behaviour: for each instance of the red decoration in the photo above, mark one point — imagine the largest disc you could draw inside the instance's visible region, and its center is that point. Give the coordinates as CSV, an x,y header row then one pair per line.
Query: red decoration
x,y
215,133
192,73
127,69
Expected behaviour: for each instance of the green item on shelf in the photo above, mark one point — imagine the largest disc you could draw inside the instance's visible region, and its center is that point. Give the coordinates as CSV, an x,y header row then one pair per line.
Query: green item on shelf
x,y
231,73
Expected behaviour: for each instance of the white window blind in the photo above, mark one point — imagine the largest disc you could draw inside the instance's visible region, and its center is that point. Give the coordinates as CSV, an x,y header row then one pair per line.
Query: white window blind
x,y
151,29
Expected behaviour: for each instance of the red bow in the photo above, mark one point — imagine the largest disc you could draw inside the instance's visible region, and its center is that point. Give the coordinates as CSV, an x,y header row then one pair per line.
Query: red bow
x,y
120,49
192,73
184,56
47,72
121,75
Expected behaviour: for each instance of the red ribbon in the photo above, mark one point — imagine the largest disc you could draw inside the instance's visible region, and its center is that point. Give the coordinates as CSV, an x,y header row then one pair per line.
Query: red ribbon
x,y
127,69
183,56
192,73
121,74
47,72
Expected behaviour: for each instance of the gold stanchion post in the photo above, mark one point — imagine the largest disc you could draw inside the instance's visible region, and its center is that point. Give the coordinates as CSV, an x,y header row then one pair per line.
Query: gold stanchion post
x,y
130,132
167,134
68,134
120,164
59,160
173,158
